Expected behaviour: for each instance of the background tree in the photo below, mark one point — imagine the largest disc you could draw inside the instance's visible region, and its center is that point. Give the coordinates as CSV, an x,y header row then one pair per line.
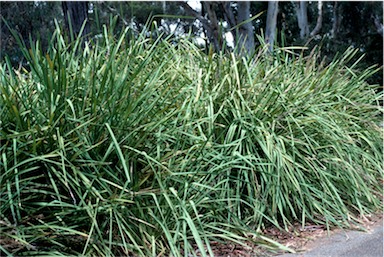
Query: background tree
x,y
319,22
302,18
75,13
135,15
333,26
209,22
33,19
270,30
245,34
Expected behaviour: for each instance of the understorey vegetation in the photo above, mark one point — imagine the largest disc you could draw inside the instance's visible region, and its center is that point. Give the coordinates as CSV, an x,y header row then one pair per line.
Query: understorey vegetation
x,y
141,147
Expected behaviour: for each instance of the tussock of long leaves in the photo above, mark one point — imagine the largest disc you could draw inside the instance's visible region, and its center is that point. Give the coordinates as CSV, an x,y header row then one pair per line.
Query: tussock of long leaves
x,y
148,148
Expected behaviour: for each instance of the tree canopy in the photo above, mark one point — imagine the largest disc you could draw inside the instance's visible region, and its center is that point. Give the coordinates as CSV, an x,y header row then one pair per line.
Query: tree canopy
x,y
334,26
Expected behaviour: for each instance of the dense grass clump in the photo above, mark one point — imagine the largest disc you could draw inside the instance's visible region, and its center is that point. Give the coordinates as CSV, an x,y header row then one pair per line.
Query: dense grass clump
x,y
148,148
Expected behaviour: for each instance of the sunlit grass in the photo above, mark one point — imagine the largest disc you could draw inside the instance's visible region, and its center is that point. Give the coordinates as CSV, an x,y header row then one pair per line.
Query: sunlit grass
x,y
148,148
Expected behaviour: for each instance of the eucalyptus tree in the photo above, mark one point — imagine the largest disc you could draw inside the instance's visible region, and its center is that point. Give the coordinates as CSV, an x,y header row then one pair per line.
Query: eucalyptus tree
x,y
302,18
270,30
221,17
31,20
319,21
76,13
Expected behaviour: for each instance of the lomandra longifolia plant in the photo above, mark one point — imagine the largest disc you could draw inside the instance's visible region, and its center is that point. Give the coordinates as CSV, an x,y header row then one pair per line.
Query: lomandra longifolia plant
x,y
148,147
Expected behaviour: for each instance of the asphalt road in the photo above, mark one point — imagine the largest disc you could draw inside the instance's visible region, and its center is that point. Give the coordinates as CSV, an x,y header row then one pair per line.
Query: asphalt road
x,y
347,244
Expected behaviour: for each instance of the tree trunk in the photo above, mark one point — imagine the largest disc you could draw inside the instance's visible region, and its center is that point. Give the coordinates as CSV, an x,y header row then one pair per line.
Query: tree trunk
x,y
379,26
164,5
302,18
75,13
242,34
319,21
336,20
270,30
210,26
245,39
215,36
229,17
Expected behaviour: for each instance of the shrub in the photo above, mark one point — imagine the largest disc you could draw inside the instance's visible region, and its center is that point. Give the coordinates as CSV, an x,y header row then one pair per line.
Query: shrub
x,y
145,148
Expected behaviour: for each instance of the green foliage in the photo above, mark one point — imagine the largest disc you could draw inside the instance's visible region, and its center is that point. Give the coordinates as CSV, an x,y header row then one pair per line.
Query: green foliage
x,y
356,29
31,19
150,148
134,14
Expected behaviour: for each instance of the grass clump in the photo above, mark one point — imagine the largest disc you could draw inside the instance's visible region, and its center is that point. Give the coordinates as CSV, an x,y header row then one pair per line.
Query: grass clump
x,y
148,148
